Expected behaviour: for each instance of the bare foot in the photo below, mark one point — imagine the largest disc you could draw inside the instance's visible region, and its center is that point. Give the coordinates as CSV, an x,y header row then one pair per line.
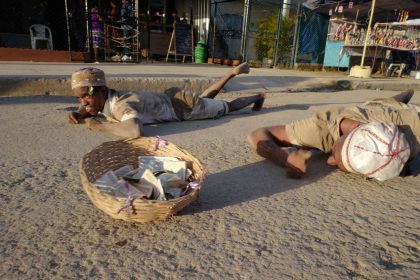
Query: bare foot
x,y
259,103
296,164
404,96
408,94
241,69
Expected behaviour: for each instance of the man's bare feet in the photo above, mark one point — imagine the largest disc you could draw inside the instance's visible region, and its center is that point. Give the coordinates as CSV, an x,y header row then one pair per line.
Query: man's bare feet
x,y
296,164
259,103
404,96
241,69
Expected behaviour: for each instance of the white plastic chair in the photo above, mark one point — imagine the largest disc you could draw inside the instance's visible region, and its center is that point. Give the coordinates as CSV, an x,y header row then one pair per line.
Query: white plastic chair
x,y
40,32
395,68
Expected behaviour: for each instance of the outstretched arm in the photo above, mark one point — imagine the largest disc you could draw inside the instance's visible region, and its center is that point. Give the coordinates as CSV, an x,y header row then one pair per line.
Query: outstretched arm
x,y
271,143
130,128
268,143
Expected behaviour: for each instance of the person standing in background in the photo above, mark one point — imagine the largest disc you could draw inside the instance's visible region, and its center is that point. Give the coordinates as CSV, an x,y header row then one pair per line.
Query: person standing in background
x,y
97,32
113,32
126,20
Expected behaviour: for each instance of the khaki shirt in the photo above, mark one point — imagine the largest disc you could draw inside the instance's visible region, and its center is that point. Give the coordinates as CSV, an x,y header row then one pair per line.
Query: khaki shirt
x,y
323,129
172,105
147,107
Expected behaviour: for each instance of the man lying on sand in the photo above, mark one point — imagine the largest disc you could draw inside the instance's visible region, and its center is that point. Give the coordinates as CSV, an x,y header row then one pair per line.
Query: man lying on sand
x,y
127,113
374,139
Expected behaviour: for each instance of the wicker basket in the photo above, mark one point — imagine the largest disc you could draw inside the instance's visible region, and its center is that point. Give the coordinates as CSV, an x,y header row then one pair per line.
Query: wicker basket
x,y
115,154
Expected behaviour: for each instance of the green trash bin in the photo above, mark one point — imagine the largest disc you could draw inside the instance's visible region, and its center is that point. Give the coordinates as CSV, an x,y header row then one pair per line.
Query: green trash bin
x,y
200,52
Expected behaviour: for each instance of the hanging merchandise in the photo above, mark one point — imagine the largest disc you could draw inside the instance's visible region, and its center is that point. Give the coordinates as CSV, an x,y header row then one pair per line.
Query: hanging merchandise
x,y
330,12
342,30
340,9
406,16
351,5
387,35
401,15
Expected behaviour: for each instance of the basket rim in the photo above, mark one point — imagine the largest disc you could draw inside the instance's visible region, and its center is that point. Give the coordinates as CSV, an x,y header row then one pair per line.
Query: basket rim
x,y
189,195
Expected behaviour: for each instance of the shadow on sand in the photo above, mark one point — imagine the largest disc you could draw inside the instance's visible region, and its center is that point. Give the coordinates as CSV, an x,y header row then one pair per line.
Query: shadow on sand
x,y
253,181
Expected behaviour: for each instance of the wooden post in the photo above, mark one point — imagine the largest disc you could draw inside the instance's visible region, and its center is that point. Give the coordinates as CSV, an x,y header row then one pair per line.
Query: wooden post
x,y
170,47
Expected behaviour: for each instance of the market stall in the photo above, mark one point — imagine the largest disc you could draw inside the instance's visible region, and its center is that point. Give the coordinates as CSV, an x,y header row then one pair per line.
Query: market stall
x,y
393,39
394,47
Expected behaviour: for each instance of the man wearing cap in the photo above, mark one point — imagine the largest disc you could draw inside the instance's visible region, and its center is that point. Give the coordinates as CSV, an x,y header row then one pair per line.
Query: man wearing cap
x,y
127,113
375,139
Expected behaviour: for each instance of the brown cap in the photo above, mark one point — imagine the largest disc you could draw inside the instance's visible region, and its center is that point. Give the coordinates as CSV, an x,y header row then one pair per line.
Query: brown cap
x,y
88,77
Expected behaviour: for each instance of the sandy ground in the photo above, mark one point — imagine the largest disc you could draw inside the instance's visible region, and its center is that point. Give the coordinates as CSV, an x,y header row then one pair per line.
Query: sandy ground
x,y
251,221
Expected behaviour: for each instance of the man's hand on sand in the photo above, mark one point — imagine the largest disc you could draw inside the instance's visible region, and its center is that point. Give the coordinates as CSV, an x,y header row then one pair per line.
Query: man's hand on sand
x,y
92,124
296,164
74,118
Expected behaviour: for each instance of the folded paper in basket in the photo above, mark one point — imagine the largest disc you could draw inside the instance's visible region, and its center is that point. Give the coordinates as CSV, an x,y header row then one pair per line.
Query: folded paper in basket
x,y
157,178
166,164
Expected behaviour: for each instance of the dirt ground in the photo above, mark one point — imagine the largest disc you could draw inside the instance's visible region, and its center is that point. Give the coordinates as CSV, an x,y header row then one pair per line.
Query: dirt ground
x,y
250,222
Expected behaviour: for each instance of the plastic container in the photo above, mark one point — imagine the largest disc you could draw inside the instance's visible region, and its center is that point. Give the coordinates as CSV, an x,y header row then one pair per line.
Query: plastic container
x,y
200,52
